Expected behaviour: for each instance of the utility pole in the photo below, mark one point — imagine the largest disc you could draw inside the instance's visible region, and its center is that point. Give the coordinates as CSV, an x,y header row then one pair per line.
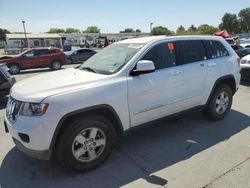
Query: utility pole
x,y
151,27
26,39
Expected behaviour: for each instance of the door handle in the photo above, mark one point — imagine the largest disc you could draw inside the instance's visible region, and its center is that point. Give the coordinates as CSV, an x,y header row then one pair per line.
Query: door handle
x,y
202,64
211,64
175,73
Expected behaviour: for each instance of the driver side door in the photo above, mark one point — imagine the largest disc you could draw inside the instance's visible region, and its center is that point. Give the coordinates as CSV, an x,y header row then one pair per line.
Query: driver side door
x,y
27,59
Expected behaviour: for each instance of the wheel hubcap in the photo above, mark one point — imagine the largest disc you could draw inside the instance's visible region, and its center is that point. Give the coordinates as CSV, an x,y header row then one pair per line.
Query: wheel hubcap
x,y
14,69
56,65
222,102
88,144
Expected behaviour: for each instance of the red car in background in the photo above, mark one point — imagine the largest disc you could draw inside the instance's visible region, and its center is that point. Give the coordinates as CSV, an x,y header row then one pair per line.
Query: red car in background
x,y
35,58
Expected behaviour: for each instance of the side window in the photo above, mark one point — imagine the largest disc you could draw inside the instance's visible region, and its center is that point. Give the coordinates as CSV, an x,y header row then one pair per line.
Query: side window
x,y
41,52
80,52
235,47
191,51
29,53
163,55
88,51
215,49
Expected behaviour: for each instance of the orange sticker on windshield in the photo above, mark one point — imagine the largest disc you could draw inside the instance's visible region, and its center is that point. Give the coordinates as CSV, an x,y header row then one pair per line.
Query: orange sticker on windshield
x,y
171,46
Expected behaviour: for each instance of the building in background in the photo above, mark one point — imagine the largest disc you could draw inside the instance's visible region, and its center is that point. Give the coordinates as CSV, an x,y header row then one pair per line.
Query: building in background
x,y
34,40
17,41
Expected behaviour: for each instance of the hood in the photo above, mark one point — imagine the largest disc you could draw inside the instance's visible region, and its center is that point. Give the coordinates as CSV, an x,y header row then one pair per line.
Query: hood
x,y
7,57
37,88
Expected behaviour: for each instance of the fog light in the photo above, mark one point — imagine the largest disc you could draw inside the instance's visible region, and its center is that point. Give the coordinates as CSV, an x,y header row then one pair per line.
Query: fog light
x,y
24,137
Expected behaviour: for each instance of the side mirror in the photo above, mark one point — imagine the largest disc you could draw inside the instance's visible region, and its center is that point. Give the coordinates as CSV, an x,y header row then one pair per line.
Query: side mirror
x,y
143,67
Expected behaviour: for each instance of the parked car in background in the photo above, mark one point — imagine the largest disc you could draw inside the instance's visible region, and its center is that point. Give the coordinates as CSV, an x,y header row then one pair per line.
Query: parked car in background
x,y
240,50
79,55
6,80
245,67
246,45
35,58
78,116
230,41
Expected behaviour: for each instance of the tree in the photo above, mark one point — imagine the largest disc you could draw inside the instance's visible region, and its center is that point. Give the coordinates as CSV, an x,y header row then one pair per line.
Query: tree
x,y
244,19
181,30
3,33
56,30
230,23
207,29
128,30
192,30
72,30
160,30
92,29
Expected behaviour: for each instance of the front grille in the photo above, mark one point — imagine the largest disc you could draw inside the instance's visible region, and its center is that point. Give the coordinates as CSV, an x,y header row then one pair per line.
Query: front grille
x,y
12,109
245,73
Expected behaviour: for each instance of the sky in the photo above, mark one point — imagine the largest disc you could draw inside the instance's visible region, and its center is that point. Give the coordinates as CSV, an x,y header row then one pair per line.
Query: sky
x,y
112,16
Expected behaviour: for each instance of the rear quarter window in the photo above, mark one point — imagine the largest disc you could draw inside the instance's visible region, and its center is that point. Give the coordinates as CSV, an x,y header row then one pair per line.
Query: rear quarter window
x,y
215,49
54,51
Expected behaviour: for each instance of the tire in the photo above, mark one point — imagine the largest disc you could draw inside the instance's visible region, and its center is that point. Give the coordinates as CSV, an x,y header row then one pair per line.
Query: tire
x,y
56,65
220,103
79,150
14,69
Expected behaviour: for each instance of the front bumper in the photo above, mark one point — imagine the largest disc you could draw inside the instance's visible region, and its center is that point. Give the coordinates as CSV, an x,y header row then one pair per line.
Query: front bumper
x,y
44,155
39,130
245,73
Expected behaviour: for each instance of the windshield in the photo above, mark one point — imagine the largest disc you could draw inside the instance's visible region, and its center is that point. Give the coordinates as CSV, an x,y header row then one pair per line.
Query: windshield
x,y
24,52
112,58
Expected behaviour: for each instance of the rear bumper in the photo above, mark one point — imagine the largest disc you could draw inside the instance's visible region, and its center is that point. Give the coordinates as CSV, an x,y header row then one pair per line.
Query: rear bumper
x,y
44,155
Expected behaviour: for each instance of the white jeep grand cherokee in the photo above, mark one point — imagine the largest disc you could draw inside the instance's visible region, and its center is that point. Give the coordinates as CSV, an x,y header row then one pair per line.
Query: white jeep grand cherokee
x,y
76,114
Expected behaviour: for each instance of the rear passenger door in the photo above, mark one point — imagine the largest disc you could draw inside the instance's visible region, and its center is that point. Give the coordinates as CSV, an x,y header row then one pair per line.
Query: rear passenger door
x,y
217,62
192,55
43,57
155,95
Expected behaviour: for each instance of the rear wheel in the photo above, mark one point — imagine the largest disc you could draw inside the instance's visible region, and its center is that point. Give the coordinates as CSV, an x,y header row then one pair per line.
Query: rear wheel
x,y
220,103
14,69
86,143
56,65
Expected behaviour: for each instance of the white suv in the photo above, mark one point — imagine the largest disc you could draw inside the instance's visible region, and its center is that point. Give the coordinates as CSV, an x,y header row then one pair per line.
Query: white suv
x,y
76,114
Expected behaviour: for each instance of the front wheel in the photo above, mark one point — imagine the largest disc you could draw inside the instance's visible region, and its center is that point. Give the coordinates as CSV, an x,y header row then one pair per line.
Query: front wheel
x,y
56,65
220,103
14,69
86,143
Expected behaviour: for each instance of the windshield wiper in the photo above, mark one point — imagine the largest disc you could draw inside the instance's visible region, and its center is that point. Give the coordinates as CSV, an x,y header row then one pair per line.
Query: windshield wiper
x,y
89,69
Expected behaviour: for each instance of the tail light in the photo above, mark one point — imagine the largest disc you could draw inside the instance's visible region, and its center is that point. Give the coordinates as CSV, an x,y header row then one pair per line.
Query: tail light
x,y
238,60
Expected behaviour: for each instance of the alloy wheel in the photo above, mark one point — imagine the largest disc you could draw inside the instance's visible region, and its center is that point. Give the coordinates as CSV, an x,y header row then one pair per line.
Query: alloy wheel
x,y
89,144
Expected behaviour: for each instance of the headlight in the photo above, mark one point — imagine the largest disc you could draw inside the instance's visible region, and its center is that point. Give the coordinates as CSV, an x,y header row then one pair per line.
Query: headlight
x,y
33,109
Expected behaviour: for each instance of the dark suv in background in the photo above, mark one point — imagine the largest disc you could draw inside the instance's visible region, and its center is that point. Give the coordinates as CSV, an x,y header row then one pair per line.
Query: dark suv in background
x,y
240,50
35,58
79,55
6,81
